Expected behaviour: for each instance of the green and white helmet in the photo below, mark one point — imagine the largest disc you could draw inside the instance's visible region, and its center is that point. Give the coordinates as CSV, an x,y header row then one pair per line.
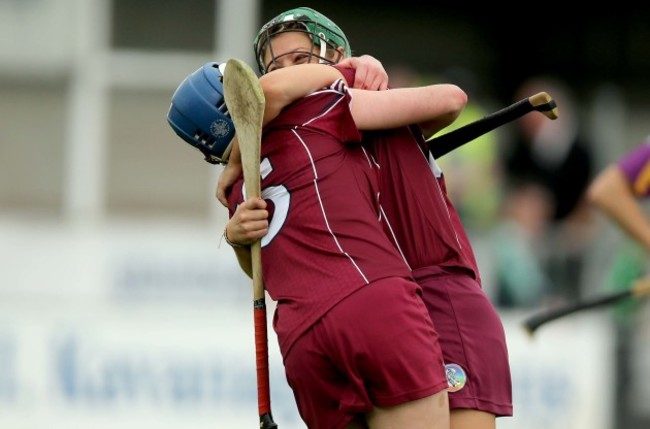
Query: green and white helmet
x,y
322,30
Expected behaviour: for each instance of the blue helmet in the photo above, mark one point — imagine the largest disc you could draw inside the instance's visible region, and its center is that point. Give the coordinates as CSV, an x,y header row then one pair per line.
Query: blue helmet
x,y
199,115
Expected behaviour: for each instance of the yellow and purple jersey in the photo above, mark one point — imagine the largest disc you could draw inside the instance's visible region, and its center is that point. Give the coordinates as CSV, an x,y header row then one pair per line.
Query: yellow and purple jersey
x,y
635,165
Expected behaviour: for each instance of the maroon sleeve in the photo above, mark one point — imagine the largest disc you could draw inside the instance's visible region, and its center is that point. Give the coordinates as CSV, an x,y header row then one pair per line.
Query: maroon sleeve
x,y
235,196
348,73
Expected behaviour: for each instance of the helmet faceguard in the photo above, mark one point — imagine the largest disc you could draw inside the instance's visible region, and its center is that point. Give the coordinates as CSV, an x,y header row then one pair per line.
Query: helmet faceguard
x,y
326,35
199,115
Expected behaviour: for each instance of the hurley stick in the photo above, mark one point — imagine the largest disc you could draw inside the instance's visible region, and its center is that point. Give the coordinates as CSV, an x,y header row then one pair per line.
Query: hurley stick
x,y
541,102
640,288
245,100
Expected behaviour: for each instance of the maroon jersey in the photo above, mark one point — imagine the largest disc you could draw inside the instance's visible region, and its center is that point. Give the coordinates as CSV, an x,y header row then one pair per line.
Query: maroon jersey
x,y
424,225
419,217
325,237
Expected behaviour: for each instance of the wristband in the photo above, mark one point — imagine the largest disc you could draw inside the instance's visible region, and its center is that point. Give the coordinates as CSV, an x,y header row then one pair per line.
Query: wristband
x,y
231,243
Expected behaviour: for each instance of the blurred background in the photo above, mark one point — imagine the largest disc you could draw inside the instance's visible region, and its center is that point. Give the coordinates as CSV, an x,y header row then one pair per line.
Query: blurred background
x,y
120,306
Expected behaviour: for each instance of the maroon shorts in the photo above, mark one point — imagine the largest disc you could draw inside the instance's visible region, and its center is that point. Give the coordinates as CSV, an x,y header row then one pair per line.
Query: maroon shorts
x,y
377,347
472,338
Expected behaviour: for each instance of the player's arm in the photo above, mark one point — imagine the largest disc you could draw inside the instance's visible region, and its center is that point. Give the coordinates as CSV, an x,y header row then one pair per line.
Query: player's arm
x,y
244,259
231,172
369,73
284,86
248,223
433,107
451,110
612,193
281,87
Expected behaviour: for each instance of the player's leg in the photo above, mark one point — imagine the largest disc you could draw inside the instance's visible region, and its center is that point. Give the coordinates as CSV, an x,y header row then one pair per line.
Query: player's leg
x,y
431,412
471,419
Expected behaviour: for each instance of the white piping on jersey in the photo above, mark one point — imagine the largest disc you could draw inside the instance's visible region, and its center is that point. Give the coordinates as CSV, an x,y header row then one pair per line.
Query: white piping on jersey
x,y
311,159
433,165
322,208
371,160
437,172
382,213
392,234
331,107
332,88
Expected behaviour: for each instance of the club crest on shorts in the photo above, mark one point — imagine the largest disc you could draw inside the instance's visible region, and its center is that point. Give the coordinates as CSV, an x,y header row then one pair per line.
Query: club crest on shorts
x,y
456,377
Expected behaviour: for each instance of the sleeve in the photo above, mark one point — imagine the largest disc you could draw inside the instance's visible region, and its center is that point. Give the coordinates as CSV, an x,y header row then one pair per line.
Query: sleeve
x,y
348,73
347,127
235,196
635,165
328,112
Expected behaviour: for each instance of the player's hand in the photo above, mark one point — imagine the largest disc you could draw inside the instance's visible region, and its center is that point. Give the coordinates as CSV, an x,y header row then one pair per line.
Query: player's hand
x,y
369,72
231,172
249,222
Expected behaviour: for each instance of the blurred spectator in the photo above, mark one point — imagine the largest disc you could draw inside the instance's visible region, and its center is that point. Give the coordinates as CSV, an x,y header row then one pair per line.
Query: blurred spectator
x,y
519,276
552,154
